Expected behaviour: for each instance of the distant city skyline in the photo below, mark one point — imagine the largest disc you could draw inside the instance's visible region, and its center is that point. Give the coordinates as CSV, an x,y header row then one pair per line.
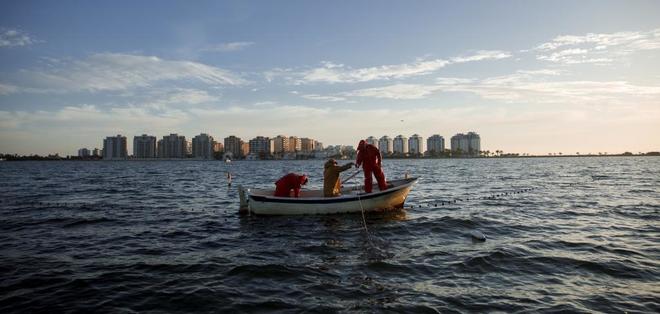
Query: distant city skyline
x,y
204,146
530,77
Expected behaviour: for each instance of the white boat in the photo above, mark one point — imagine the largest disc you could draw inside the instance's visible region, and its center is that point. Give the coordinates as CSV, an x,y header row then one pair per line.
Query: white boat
x,y
311,202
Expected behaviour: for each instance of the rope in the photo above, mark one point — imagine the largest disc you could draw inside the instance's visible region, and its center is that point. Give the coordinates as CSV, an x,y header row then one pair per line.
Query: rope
x,y
495,197
364,219
350,177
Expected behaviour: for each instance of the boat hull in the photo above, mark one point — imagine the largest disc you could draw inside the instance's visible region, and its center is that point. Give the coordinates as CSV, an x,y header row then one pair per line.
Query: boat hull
x,y
349,202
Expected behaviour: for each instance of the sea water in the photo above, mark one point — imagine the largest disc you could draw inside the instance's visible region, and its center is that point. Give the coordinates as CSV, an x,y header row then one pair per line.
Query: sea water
x,y
562,234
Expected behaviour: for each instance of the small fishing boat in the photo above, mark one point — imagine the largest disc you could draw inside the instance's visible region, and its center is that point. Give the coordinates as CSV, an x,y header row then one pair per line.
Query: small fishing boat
x,y
311,202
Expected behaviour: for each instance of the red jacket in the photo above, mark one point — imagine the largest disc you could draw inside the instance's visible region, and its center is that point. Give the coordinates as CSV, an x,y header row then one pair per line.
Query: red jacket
x,y
289,182
369,155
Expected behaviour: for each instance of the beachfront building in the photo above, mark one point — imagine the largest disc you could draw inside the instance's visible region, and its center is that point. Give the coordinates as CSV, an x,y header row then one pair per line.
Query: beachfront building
x,y
400,145
435,145
280,145
385,145
372,140
144,146
416,145
96,152
173,146
474,144
307,145
202,146
260,147
83,153
466,144
294,144
234,147
114,148
218,147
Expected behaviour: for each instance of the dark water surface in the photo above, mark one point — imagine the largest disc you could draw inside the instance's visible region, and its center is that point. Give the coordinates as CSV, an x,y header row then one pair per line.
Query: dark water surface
x,y
165,236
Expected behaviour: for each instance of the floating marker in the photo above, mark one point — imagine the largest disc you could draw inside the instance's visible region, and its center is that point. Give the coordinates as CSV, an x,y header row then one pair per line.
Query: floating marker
x,y
477,235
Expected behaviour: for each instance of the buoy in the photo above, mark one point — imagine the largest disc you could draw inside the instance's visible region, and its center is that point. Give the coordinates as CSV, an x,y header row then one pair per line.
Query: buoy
x,y
477,235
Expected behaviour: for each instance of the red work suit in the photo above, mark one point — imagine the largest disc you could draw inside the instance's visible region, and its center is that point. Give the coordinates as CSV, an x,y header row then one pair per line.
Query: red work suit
x,y
289,182
369,157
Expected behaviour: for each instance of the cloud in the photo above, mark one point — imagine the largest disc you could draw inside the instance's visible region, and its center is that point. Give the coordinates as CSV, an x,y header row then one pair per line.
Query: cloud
x,y
523,87
227,47
331,72
483,55
15,38
189,96
338,73
396,91
597,48
41,132
323,98
117,72
535,86
6,89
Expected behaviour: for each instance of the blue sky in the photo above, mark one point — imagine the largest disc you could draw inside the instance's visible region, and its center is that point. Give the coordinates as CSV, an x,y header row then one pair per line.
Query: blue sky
x,y
529,76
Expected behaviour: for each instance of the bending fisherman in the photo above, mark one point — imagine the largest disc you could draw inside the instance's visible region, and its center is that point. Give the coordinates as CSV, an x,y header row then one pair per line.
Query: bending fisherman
x,y
331,171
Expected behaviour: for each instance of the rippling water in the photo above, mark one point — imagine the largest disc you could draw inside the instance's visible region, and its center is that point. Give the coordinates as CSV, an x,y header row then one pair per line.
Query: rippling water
x,y
166,236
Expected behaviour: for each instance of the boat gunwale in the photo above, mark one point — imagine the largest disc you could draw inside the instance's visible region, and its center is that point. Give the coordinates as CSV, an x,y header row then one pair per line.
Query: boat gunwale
x,y
339,199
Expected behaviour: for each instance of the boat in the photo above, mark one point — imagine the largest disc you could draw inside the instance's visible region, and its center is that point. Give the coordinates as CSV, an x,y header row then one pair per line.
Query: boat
x,y
312,202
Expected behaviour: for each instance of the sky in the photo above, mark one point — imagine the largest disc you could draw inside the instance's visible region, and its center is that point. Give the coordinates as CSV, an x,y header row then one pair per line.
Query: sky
x,y
532,77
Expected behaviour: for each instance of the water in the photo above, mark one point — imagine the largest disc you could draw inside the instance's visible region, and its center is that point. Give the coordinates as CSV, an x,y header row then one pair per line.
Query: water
x,y
166,237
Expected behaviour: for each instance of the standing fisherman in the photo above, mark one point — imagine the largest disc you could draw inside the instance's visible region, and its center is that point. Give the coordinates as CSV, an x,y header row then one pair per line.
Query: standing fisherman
x,y
369,157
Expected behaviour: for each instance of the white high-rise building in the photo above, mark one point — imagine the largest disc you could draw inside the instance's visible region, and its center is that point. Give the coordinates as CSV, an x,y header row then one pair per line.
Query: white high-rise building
x,y
114,147
372,140
202,146
435,145
400,145
416,145
466,144
385,145
144,146
474,144
173,146
83,152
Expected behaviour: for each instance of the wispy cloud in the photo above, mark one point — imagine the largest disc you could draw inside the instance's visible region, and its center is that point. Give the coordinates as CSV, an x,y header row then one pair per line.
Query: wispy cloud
x,y
6,89
331,72
597,48
501,125
322,98
227,47
531,88
338,73
482,55
15,38
114,72
396,91
521,87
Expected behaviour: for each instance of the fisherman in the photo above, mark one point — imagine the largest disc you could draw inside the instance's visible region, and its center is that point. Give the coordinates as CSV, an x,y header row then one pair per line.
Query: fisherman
x,y
289,182
331,184
369,158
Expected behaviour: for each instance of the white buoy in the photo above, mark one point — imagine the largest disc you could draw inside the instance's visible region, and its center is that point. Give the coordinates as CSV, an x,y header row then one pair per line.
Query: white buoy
x,y
477,235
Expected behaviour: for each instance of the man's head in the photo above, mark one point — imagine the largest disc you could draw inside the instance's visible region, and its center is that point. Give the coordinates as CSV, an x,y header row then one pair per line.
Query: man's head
x,y
331,162
362,144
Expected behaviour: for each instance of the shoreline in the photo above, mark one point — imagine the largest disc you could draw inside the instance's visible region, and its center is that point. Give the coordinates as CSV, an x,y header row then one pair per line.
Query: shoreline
x,y
392,158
